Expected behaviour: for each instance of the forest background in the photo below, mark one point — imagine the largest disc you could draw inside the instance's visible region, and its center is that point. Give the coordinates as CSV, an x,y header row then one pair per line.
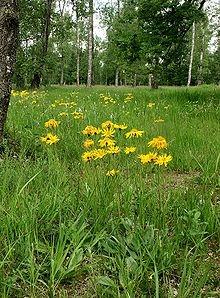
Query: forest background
x,y
118,43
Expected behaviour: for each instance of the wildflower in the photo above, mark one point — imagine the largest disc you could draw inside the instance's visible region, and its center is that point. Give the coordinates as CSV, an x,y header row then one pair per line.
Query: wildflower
x,y
158,120
151,105
163,159
107,125
113,150
78,115
87,156
14,93
63,114
88,143
120,126
108,133
24,93
52,123
134,133
159,143
112,173
91,130
128,98
129,150
50,139
147,158
99,153
106,142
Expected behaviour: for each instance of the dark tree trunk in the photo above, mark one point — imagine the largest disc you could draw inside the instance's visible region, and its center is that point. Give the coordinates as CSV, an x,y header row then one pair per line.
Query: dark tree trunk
x,y
9,28
45,38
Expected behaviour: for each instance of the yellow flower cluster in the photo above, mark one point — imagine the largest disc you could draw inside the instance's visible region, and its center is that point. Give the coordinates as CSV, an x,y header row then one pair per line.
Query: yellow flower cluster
x,y
78,115
129,150
107,99
158,143
94,154
112,173
108,144
91,130
134,133
50,139
163,159
52,123
159,120
151,105
128,98
24,93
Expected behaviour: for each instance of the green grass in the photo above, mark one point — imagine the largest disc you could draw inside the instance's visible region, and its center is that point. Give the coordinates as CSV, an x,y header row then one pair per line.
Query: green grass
x,y
68,230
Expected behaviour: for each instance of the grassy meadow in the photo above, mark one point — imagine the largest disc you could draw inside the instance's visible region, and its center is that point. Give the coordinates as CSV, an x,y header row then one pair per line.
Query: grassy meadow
x,y
110,223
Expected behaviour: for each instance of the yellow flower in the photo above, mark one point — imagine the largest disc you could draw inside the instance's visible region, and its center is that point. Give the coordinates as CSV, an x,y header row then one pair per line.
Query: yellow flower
x,y
14,93
91,130
163,160
24,93
99,153
113,150
134,133
107,125
108,133
52,123
151,105
159,143
129,150
50,139
78,115
106,142
147,158
128,98
87,156
112,173
120,126
158,120
63,114
88,143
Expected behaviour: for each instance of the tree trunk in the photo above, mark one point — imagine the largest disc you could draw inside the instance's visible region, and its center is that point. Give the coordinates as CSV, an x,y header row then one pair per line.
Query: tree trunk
x,y
62,70
135,80
45,38
9,27
90,45
200,68
77,45
116,77
152,81
192,54
118,7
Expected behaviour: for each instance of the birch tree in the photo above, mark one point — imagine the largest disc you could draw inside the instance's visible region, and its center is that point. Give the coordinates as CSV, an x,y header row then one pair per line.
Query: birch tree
x,y
9,28
90,45
192,54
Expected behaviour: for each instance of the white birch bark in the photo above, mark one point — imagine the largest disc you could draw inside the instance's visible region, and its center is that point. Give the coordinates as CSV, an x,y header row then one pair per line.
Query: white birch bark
x,y
90,45
192,54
